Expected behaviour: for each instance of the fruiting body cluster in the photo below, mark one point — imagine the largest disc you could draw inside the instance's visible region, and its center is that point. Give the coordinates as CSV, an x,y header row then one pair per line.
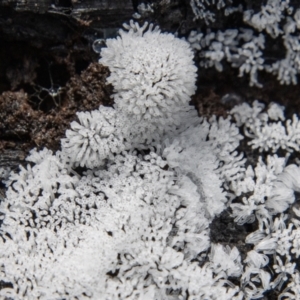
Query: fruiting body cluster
x,y
134,221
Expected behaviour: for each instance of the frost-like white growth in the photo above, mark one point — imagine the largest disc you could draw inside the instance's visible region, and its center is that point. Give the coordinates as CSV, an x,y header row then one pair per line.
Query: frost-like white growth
x,y
272,185
249,59
143,134
276,239
44,179
134,222
265,191
265,133
241,49
293,288
275,19
255,283
246,114
263,183
131,226
153,73
143,10
269,17
217,142
98,135
286,184
276,112
288,68
138,226
201,9
226,259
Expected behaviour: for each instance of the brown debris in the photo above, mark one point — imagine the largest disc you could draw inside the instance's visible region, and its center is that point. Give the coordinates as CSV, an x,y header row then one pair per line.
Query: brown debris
x,y
24,127
87,89
208,104
16,117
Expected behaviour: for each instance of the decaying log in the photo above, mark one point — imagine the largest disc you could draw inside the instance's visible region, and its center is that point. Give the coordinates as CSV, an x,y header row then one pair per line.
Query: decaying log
x,y
52,21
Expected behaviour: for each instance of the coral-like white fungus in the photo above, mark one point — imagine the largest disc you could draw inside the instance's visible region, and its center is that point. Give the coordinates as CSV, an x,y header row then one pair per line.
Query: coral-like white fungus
x,y
244,48
152,73
98,135
135,222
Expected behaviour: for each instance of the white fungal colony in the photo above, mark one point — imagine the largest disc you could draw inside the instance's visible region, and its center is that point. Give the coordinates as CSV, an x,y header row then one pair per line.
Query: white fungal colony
x,y
275,22
135,223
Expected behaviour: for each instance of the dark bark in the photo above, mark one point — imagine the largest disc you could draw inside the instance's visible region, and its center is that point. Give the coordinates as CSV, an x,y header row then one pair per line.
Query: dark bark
x,y
52,21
